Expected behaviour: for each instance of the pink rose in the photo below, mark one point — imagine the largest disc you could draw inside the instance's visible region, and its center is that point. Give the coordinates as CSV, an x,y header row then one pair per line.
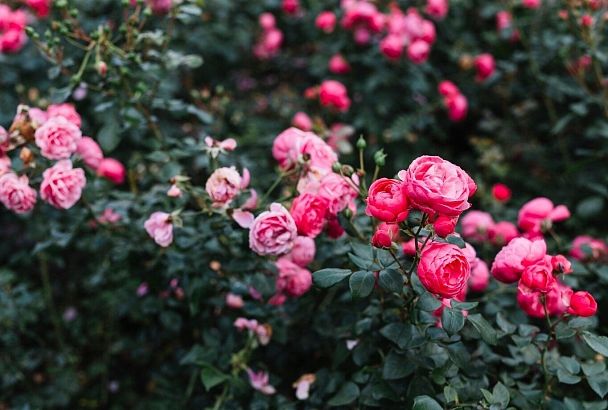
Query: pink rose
x,y
160,6
448,89
444,225
16,194
260,382
293,279
67,111
41,7
160,228
12,40
561,264
582,304
333,94
409,247
475,225
418,51
387,201
267,21
437,8
334,230
58,138
62,185
458,107
437,186
37,117
234,301
5,164
291,7
538,276
326,21
512,259
558,300
443,269
302,121
485,66
309,212
273,232
223,185
112,170
385,235
4,140
502,233
303,251
480,276
531,4
292,146
90,152
585,248
392,47
538,214
338,64
501,192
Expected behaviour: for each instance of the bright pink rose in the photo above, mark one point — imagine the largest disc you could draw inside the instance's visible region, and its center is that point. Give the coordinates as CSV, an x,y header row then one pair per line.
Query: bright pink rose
x,y
585,248
475,225
437,186
112,170
336,189
443,269
485,66
12,41
67,111
273,232
302,121
293,279
502,233
504,20
385,235
558,300
334,230
303,251
531,4
5,164
392,47
267,21
437,8
582,304
223,185
42,8
480,276
458,107
501,192
428,32
160,228
538,277
338,64
62,184
512,259
90,152
418,51
444,225
387,201
291,7
326,21
448,89
539,214
561,264
58,138
409,247
333,94
16,194
309,212
10,19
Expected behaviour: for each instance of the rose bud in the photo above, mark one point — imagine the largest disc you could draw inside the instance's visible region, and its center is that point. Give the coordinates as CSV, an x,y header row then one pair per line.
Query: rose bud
x,y
582,304
387,201
561,264
501,192
385,235
485,66
444,269
538,277
112,170
444,225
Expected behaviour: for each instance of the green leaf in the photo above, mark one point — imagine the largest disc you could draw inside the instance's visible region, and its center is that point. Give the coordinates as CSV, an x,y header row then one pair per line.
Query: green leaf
x,y
109,135
326,278
463,305
456,240
450,393
487,332
599,384
211,377
500,395
593,369
391,280
346,395
452,320
504,324
397,366
570,364
363,263
426,403
566,377
362,283
428,302
363,250
597,343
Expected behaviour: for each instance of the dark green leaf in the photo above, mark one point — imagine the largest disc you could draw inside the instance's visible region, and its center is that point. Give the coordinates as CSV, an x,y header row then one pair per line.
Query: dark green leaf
x,y
397,366
426,403
326,278
597,343
452,320
362,283
211,377
391,280
347,394
487,332
599,384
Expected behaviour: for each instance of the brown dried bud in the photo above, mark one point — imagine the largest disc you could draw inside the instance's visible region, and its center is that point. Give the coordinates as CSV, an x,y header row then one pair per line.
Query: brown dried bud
x,y
26,155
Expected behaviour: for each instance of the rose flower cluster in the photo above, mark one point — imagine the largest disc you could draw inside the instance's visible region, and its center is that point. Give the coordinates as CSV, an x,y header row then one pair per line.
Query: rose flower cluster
x,y
54,134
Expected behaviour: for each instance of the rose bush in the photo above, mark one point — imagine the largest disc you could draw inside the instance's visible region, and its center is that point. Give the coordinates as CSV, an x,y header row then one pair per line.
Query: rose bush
x,y
303,204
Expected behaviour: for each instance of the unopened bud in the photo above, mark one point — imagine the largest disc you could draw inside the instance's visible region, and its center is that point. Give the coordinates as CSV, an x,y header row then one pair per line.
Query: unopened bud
x,y
336,167
347,170
102,68
26,155
361,144
380,158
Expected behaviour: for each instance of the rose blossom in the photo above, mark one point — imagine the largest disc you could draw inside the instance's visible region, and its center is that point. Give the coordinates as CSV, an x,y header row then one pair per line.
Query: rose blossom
x,y
531,4
557,299
561,264
291,7
582,304
160,6
540,213
444,225
302,121
502,233
485,66
333,94
457,106
512,259
90,152
326,21
223,185
67,111
409,247
338,64
62,184
160,228
308,212
58,138
501,192
16,194
475,225
418,51
385,235
267,21
387,201
392,47
437,8
303,251
336,189
334,230
585,247
437,186
293,279
112,169
292,145
41,7
480,276
273,232
260,382
234,301
538,277
443,269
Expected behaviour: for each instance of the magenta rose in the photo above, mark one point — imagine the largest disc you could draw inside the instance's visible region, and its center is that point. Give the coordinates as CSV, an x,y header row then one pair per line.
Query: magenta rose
x,y
293,279
273,232
62,185
387,201
512,259
90,152
160,228
16,193
112,170
538,276
58,138
437,186
309,212
582,304
475,225
538,214
385,235
443,269
333,94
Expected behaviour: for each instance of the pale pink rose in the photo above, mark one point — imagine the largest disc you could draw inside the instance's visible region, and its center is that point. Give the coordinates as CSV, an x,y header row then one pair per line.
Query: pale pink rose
x,y
67,111
90,152
585,247
512,259
501,233
109,216
267,21
475,225
292,146
273,232
215,147
437,186
302,386
58,138
160,228
223,186
302,121
5,164
293,280
242,323
260,382
234,301
480,276
539,214
112,170
37,116
437,8
62,184
418,51
174,191
303,251
16,194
